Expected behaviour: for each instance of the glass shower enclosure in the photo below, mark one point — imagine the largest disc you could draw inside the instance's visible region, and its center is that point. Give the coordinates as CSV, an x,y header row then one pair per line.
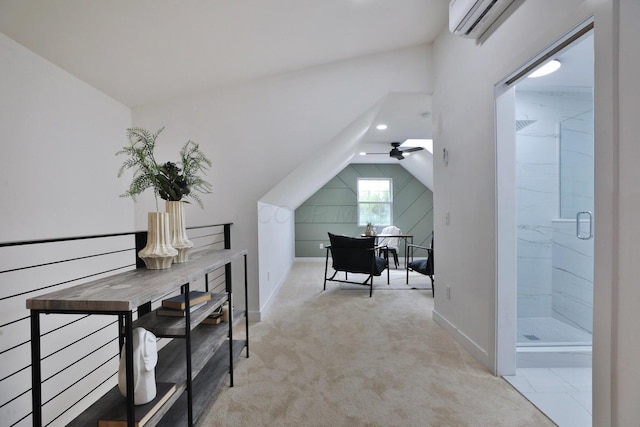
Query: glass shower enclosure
x,y
555,187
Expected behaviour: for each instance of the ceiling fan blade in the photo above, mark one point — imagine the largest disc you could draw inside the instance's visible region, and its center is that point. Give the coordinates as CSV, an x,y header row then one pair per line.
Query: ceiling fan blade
x,y
412,149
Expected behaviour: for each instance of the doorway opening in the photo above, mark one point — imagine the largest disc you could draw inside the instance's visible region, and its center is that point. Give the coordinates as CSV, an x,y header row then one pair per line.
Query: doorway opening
x,y
545,231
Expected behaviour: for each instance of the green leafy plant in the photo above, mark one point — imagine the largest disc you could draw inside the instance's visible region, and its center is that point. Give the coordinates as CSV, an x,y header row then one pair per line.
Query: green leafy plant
x,y
169,181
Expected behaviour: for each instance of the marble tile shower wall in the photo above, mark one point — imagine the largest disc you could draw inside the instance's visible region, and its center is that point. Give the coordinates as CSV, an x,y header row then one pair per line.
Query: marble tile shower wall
x,y
536,177
538,183
576,165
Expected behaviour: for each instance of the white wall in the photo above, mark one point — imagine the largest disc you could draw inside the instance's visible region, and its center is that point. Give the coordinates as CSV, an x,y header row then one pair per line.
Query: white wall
x,y
258,133
276,227
464,122
59,137
58,178
625,327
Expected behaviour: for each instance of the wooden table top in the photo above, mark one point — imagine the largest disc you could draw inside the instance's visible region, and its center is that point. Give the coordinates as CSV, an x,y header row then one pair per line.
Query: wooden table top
x,y
126,291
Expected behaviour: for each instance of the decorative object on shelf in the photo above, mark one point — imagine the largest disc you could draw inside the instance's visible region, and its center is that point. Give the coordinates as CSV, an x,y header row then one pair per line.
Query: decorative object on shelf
x,y
145,358
158,254
213,319
225,312
176,312
177,231
170,182
143,413
177,302
183,182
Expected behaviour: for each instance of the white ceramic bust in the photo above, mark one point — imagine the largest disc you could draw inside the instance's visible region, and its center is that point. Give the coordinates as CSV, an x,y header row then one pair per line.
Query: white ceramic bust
x,y
145,357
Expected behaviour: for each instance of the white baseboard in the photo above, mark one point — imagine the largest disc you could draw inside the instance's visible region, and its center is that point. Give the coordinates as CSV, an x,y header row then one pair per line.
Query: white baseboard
x,y
476,351
256,316
309,259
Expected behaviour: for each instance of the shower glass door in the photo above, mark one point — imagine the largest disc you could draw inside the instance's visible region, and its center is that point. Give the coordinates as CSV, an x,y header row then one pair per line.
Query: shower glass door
x,y
572,278
555,186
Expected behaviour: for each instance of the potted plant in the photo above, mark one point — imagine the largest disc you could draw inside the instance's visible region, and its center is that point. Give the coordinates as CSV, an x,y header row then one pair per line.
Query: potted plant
x,y
170,182
368,230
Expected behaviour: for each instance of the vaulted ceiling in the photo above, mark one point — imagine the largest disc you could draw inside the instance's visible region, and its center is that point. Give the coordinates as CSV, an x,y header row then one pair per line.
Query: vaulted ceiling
x,y
145,51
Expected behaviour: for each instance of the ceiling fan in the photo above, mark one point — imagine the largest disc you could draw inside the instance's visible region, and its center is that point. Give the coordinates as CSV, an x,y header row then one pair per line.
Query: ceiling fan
x,y
397,152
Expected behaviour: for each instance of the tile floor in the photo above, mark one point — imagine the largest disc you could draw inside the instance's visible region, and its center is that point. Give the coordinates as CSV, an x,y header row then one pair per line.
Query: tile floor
x,y
563,394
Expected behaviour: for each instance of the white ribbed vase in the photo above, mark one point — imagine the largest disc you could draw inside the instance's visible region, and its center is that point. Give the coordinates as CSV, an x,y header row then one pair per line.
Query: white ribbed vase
x,y
177,231
158,254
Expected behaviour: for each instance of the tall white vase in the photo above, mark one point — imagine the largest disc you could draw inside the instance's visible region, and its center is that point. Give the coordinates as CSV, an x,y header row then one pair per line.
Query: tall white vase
x,y
158,254
177,231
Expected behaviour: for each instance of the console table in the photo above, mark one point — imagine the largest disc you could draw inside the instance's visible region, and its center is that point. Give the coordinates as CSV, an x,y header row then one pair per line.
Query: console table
x,y
203,364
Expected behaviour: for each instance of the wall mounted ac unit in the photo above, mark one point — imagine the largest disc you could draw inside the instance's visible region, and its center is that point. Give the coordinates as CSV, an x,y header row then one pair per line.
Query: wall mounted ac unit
x,y
471,18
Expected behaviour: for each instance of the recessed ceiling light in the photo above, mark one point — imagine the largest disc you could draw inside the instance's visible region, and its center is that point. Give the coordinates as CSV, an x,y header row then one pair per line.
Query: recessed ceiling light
x,y
381,126
363,153
547,68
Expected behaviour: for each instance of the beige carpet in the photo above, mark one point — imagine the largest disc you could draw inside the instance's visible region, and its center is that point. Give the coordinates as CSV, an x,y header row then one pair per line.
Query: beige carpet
x,y
340,358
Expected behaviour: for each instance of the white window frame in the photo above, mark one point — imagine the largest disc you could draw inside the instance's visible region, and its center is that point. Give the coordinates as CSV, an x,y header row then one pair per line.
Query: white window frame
x,y
389,202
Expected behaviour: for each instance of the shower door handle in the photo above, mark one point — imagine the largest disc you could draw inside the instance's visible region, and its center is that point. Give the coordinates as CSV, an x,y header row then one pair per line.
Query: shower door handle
x,y
579,218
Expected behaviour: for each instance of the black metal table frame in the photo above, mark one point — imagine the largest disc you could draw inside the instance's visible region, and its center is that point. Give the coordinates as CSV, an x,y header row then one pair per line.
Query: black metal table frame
x,y
405,237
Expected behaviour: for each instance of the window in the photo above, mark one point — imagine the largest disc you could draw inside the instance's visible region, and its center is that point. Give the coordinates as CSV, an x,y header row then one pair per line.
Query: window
x,y
375,201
